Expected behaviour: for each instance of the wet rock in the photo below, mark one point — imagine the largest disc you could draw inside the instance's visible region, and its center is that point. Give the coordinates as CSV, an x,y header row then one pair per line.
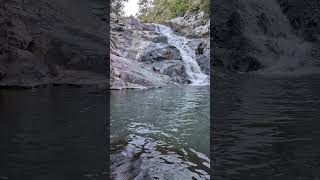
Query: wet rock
x,y
204,61
160,39
142,58
176,70
153,37
160,54
178,73
246,64
202,50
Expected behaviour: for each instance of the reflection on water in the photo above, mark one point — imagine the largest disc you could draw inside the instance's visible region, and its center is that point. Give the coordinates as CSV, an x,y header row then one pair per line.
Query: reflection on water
x,y
52,134
266,129
160,134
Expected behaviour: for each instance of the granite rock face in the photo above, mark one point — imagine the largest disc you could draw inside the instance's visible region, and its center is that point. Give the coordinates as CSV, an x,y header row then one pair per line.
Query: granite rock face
x,y
160,54
265,36
141,57
192,24
52,42
132,54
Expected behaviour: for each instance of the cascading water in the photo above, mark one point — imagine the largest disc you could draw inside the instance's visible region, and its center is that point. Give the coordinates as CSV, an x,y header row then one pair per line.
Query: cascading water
x,y
197,77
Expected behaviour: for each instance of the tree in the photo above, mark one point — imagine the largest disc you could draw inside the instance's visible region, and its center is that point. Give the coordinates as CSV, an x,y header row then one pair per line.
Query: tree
x,y
144,7
117,6
159,11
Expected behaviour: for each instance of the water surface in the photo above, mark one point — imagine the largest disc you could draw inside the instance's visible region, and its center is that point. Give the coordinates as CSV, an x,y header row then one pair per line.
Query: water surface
x,y
160,133
266,128
53,133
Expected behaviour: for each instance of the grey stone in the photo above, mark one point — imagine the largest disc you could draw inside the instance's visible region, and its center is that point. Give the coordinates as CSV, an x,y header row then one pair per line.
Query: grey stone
x,y
160,39
192,24
44,42
270,36
160,54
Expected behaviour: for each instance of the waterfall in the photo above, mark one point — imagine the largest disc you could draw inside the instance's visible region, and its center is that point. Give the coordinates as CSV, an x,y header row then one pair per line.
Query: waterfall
x,y
188,55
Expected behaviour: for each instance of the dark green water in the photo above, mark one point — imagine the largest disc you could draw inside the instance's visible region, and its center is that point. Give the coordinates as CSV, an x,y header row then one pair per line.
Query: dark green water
x,y
266,128
53,133
160,133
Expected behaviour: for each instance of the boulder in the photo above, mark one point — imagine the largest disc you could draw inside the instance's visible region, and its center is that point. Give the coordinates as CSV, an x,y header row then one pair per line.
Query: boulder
x,y
160,39
174,69
202,49
204,61
153,37
160,54
246,64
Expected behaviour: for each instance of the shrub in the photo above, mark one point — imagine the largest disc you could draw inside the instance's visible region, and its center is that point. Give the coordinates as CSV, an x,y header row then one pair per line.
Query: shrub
x,y
162,10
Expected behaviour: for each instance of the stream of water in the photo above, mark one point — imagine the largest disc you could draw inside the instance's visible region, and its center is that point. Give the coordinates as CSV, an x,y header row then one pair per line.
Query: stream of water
x,y
160,133
188,54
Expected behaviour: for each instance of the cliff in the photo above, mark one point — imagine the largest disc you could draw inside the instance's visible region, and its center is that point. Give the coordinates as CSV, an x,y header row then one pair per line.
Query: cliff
x,y
52,42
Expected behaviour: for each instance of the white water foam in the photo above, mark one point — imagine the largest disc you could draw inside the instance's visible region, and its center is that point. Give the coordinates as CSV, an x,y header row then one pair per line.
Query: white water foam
x,y
197,77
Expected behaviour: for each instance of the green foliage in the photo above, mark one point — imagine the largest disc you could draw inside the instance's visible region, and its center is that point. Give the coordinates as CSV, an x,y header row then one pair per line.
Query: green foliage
x,y
117,6
159,11
179,7
205,6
